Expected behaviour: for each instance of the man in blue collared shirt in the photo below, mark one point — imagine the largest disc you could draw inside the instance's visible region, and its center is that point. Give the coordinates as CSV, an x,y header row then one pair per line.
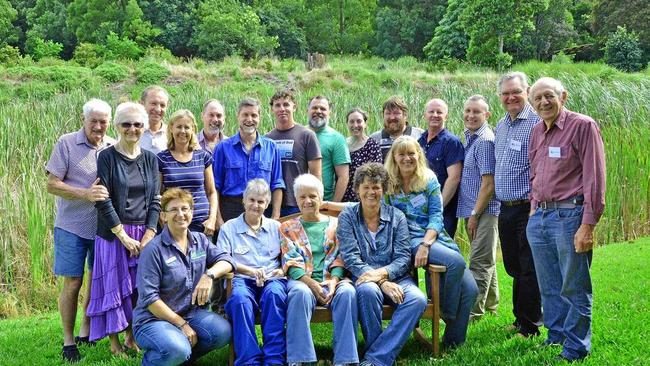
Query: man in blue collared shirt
x,y
477,205
512,187
445,154
242,157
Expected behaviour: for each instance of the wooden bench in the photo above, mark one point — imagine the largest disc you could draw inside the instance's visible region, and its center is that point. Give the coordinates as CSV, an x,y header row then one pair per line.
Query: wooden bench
x,y
322,314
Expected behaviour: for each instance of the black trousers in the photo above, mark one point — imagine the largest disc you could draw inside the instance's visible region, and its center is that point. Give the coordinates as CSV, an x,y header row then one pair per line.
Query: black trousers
x,y
518,262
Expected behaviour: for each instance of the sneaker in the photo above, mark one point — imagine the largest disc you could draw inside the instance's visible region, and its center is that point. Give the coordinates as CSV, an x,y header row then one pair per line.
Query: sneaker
x,y
71,353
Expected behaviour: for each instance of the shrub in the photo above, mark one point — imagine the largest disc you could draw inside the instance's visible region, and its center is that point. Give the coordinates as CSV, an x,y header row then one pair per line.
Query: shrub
x,y
149,72
39,48
622,51
88,54
161,54
562,58
121,48
9,56
113,72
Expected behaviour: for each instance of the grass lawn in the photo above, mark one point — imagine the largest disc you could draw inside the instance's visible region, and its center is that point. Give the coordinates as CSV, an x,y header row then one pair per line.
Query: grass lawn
x,y
621,318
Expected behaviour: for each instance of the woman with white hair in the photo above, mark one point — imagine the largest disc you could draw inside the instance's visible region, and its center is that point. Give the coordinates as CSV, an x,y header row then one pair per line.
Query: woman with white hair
x,y
126,222
310,256
259,285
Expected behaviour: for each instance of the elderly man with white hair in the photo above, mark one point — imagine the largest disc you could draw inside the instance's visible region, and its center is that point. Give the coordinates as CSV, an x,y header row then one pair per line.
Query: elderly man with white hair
x,y
567,174
310,256
214,119
71,177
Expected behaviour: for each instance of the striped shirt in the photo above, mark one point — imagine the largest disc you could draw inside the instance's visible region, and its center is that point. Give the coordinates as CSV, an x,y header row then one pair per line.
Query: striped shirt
x,y
479,161
74,161
189,176
386,141
205,144
512,172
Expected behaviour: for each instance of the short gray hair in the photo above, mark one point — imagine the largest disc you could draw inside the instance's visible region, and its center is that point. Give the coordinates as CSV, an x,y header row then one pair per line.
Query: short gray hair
x,y
479,98
96,105
248,102
258,186
555,84
128,107
211,101
308,181
523,79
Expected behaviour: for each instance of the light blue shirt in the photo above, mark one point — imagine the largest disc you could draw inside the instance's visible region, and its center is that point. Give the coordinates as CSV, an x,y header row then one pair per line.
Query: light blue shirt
x,y
257,250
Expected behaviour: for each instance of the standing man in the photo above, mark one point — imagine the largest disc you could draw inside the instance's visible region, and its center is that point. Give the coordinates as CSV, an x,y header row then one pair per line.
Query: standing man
x,y
512,188
242,157
567,176
298,147
333,147
445,154
72,177
477,205
214,117
155,100
395,125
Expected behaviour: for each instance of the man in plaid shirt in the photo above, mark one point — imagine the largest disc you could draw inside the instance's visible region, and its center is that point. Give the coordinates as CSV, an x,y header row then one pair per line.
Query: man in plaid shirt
x,y
512,188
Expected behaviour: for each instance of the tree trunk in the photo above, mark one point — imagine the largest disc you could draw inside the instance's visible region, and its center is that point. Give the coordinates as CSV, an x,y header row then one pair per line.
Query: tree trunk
x,y
341,24
501,44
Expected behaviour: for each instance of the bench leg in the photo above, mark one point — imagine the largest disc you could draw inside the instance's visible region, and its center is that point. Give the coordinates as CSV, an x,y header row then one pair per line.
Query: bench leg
x,y
231,354
435,322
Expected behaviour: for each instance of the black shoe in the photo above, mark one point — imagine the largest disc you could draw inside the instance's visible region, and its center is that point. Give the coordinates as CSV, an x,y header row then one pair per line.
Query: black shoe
x,y
71,353
84,341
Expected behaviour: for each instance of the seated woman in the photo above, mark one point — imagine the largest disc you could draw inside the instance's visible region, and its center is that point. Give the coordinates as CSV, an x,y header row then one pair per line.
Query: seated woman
x,y
259,285
310,256
168,322
374,242
414,189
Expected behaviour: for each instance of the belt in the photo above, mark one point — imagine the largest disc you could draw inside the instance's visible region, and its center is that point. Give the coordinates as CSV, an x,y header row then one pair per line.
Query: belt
x,y
514,203
567,203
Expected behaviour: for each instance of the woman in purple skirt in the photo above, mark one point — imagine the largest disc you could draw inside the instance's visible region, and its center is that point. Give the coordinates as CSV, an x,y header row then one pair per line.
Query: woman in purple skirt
x,y
126,223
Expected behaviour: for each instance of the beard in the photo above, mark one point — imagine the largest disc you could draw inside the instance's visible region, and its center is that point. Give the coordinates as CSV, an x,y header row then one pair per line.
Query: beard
x,y
214,130
317,122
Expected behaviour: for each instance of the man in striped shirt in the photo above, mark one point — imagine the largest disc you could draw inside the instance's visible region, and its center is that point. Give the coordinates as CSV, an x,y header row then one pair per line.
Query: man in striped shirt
x,y
512,187
395,125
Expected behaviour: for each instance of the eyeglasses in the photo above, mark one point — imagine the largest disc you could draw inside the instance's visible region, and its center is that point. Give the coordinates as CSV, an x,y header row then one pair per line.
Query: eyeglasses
x,y
182,209
517,92
127,125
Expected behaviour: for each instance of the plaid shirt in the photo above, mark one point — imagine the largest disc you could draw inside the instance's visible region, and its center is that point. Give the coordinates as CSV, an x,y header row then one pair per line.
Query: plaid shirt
x,y
479,161
512,173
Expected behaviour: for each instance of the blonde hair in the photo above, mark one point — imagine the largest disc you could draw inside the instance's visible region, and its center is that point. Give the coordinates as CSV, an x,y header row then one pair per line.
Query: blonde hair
x,y
422,173
177,116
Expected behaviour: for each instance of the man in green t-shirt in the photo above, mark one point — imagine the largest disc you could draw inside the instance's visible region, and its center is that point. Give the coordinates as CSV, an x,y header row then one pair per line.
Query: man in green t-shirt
x,y
334,150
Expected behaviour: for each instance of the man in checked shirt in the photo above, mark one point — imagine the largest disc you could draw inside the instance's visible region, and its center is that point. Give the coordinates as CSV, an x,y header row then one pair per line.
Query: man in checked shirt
x,y
512,187
567,175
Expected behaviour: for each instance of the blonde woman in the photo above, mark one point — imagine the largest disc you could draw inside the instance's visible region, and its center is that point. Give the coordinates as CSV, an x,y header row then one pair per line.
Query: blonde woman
x,y
414,189
185,165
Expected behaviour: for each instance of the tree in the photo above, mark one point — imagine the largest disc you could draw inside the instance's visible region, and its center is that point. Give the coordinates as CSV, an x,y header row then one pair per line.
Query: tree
x,y
176,19
291,38
490,24
622,51
8,14
449,40
634,15
227,27
47,21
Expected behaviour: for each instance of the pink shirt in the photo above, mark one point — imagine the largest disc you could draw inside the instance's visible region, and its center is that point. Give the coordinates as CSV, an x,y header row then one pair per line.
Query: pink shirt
x,y
568,160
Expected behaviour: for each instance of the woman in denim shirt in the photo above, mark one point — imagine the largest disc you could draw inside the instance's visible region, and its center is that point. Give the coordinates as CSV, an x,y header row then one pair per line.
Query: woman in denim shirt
x,y
414,189
374,243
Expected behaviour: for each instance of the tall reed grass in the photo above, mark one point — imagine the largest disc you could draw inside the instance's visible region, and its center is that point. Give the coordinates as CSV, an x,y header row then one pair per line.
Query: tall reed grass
x,y
35,111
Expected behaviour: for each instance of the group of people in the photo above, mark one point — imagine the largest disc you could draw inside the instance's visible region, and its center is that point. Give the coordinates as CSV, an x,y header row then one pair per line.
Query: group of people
x,y
161,214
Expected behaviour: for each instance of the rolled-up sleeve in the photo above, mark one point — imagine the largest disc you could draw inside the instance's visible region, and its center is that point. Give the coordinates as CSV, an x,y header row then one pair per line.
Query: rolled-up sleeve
x,y
401,259
276,169
149,275
349,244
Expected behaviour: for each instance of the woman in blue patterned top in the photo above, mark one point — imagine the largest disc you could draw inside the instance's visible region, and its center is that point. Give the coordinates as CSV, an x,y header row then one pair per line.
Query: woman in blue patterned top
x,y
414,189
185,165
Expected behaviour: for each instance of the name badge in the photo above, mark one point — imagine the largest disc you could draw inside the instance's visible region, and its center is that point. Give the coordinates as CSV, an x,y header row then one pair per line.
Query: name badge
x,y
418,200
554,152
197,255
170,260
515,145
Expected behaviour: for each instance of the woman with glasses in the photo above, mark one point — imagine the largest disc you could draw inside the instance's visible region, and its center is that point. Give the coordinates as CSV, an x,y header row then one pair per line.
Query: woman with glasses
x,y
126,222
185,165
175,275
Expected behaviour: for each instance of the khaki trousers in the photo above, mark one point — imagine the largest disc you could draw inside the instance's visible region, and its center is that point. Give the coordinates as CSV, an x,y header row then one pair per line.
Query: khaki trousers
x,y
482,264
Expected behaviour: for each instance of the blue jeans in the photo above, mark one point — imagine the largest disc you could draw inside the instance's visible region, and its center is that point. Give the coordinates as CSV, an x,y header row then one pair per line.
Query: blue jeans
x,y
301,303
164,344
247,300
458,291
563,277
382,347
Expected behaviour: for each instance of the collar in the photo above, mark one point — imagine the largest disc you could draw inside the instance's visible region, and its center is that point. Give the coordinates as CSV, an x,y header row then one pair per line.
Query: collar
x,y
384,214
526,113
237,139
406,132
241,227
478,132
81,138
202,138
425,136
167,240
163,129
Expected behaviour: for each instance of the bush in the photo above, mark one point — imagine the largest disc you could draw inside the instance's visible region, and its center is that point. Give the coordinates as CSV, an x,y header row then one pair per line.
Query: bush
x,y
622,51
113,72
562,58
39,48
149,72
161,54
121,48
9,56
88,54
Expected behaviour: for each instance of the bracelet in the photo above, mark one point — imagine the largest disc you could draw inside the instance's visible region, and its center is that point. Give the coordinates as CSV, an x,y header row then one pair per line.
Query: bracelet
x,y
182,325
381,282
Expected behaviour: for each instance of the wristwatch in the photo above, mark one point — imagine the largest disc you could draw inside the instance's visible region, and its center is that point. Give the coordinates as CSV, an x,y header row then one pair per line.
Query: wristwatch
x,y
211,275
474,213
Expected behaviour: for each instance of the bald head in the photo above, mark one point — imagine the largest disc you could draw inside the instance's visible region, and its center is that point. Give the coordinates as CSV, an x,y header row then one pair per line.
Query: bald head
x,y
435,113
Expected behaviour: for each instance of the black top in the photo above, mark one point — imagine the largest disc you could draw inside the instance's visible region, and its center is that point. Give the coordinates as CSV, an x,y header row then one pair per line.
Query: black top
x,y
134,210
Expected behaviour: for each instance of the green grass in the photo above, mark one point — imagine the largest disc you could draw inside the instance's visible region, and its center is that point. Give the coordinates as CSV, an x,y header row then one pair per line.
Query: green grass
x,y
621,315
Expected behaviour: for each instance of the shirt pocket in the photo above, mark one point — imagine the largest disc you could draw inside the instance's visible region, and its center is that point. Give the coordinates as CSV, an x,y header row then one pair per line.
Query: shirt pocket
x,y
262,170
173,277
234,173
241,249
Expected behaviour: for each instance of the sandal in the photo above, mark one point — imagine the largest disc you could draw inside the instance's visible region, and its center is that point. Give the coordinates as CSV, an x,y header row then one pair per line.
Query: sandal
x,y
71,353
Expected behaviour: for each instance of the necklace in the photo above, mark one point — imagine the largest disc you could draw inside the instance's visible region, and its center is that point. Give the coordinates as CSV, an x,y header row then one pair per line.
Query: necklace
x,y
255,230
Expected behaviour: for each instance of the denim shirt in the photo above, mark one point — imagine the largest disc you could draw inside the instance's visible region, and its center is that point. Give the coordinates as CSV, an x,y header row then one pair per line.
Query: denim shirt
x,y
111,171
166,273
391,249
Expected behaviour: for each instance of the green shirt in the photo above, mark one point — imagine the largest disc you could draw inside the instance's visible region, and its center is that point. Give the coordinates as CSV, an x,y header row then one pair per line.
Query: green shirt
x,y
335,152
316,235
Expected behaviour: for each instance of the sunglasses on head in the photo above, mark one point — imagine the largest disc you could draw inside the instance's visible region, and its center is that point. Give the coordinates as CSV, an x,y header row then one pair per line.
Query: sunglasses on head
x,y
128,125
